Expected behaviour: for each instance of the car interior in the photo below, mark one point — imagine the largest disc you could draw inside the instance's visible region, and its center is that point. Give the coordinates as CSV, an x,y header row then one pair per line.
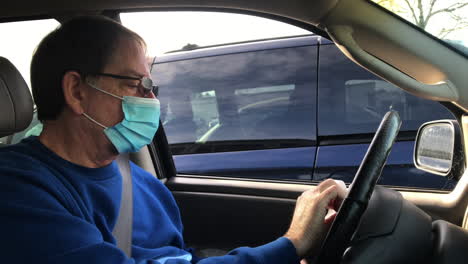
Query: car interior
x,y
374,225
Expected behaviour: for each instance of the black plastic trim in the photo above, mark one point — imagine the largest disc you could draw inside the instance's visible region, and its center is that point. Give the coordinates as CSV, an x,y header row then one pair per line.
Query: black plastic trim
x,y
25,18
455,110
239,145
360,138
161,151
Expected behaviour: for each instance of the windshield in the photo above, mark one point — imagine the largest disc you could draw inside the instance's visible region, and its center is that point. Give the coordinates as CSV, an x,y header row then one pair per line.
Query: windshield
x,y
445,19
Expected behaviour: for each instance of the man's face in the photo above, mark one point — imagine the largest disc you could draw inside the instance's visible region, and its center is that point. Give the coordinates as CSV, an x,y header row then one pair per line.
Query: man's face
x,y
128,60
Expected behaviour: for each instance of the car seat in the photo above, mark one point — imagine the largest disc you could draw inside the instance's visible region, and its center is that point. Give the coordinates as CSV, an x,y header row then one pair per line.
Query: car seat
x,y
16,104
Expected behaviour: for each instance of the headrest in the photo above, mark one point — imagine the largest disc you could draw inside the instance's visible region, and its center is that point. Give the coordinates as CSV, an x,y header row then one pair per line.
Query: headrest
x,y
16,104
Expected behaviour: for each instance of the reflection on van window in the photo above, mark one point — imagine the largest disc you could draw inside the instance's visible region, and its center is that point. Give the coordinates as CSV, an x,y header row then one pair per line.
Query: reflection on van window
x,y
369,100
205,111
353,101
251,96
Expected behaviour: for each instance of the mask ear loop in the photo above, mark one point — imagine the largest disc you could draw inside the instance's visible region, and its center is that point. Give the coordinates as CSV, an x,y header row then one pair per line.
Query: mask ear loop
x,y
94,121
106,92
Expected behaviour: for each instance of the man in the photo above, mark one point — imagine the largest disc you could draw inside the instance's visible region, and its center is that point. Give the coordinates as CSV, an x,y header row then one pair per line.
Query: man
x,y
61,191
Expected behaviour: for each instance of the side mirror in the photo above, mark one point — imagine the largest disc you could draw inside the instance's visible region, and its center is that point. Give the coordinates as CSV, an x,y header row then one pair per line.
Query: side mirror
x,y
439,149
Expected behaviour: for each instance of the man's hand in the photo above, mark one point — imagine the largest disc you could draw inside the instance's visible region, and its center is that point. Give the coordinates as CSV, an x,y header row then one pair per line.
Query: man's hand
x,y
310,222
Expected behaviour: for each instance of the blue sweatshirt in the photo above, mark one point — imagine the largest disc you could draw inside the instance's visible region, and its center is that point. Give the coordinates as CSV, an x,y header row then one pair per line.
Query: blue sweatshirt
x,y
54,211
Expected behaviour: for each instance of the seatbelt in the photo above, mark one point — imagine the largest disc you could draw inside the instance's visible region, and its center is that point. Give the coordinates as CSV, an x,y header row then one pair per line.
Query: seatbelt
x,y
123,227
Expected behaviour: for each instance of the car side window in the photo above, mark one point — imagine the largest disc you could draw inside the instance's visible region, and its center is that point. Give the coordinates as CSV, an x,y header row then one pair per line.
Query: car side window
x,y
19,52
353,101
257,100
16,49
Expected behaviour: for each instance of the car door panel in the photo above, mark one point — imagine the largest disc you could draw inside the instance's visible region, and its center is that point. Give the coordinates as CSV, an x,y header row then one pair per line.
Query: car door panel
x,y
342,161
285,163
227,221
227,213
224,214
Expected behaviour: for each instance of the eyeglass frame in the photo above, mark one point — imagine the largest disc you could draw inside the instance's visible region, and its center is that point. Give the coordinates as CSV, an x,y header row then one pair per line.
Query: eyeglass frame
x,y
146,88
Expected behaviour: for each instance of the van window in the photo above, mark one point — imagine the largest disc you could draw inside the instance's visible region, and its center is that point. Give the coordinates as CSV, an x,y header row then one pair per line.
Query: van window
x,y
263,96
19,51
354,101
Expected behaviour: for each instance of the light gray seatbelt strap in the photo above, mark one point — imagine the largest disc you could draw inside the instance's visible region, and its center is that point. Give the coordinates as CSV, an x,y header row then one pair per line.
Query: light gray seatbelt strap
x,y
123,228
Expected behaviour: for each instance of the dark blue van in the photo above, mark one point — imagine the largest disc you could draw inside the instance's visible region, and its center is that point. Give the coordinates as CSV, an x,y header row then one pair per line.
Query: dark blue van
x,y
285,109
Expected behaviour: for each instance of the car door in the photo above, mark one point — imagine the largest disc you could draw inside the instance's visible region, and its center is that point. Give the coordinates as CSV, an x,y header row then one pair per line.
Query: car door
x,y
234,190
251,136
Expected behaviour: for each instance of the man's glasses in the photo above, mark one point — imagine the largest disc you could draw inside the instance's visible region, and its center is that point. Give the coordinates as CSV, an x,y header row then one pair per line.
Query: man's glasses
x,y
145,82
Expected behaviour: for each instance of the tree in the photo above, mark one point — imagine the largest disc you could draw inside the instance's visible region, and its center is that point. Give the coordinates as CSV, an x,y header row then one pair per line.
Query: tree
x,y
423,11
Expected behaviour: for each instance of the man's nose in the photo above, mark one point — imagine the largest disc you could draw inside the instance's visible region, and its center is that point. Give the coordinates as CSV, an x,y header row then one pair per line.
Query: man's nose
x,y
142,92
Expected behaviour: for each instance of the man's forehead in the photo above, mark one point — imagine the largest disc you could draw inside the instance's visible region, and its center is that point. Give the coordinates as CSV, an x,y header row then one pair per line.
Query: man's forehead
x,y
129,59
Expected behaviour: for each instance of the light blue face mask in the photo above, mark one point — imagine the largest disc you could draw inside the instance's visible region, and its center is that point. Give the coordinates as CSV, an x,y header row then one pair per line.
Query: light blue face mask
x,y
140,123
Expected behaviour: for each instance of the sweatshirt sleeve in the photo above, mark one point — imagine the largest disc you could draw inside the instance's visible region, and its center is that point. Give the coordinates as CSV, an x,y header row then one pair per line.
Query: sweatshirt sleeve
x,y
280,251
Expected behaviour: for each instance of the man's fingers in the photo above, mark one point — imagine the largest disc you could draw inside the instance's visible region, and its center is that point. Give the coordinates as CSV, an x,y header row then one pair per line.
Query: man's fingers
x,y
329,194
330,217
342,190
325,184
327,197
312,215
332,198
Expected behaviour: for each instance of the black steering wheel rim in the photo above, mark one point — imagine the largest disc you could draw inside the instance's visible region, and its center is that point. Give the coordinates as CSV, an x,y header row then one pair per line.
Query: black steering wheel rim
x,y
360,191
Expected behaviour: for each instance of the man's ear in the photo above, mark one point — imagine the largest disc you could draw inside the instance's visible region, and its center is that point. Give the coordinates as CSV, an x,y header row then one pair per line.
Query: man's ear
x,y
73,92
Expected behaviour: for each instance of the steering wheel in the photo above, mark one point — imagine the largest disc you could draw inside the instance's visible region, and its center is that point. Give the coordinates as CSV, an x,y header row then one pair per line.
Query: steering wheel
x,y
360,191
